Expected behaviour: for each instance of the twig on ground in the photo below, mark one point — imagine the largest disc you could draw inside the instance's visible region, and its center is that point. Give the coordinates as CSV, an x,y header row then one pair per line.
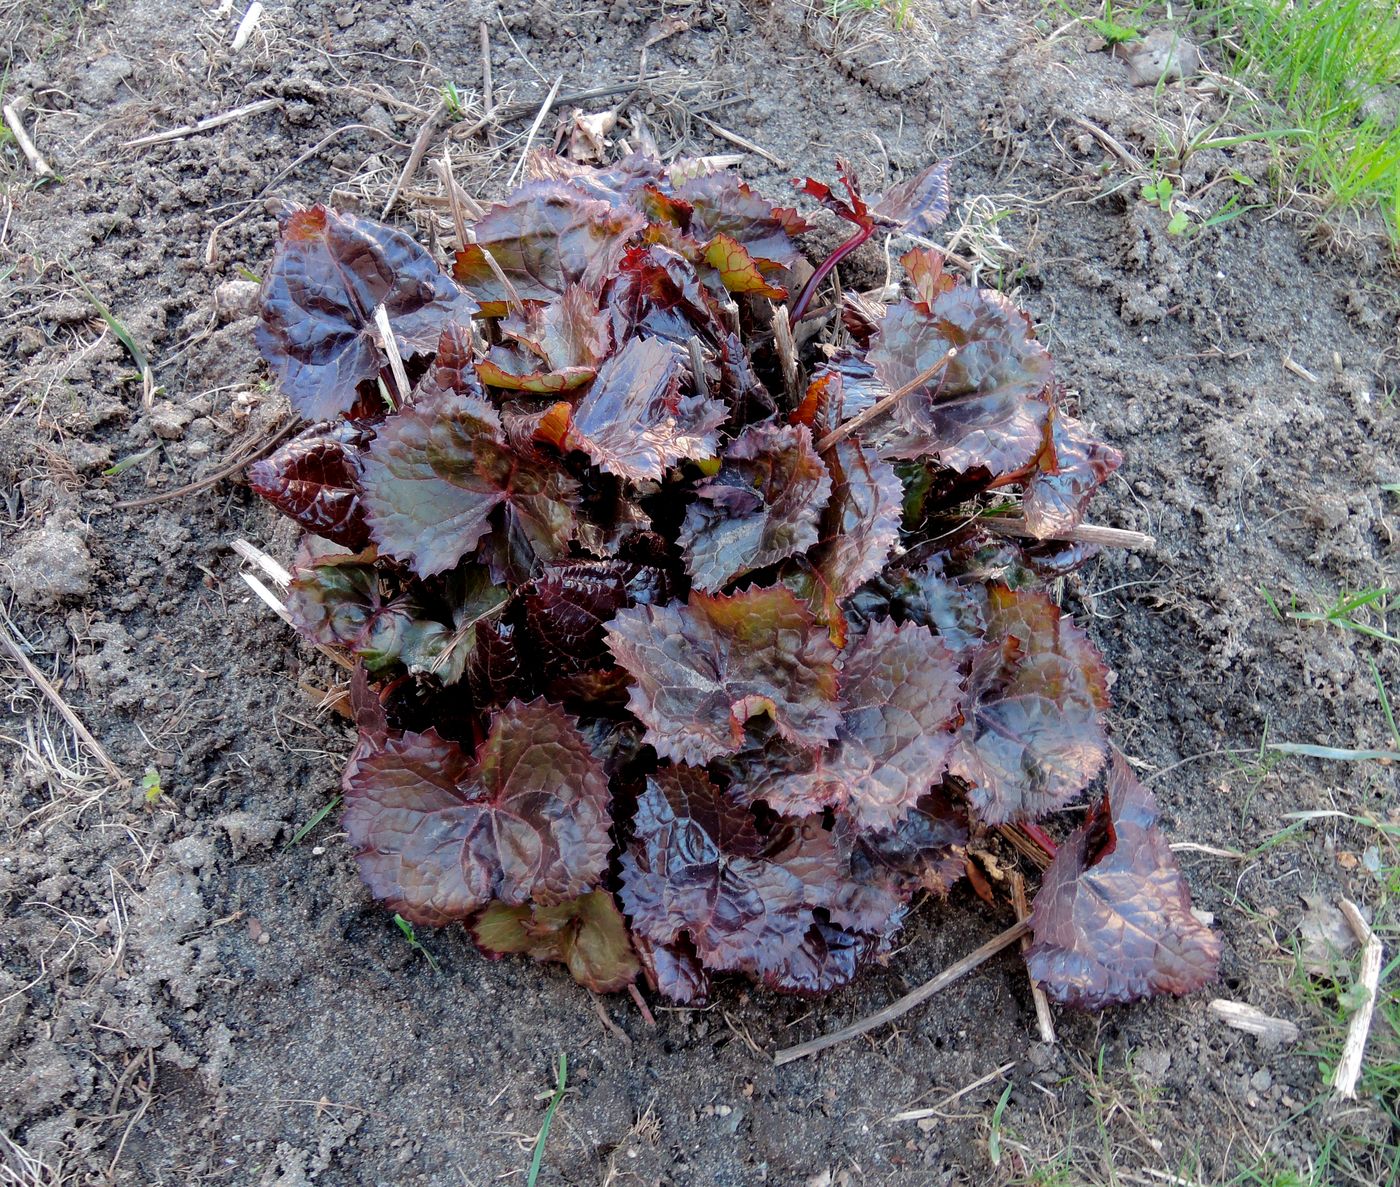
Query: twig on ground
x,y
415,156
514,110
219,475
488,98
1252,1020
256,557
534,129
910,1000
598,1008
884,403
204,125
741,142
1043,1018
247,25
41,682
1109,143
641,1003
274,603
1084,533
935,1110
1299,370
26,146
1349,1066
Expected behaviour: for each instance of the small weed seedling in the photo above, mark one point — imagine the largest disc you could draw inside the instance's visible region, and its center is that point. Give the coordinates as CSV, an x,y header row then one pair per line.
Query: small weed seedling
x,y
411,936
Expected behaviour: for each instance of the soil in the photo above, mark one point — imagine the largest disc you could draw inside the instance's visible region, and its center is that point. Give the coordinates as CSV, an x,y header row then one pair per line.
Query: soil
x,y
186,998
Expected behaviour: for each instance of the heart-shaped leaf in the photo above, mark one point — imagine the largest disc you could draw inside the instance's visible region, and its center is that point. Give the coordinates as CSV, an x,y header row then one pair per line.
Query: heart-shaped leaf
x,y
330,273
985,408
634,421
438,471
315,479
545,237
901,694
439,835
1034,737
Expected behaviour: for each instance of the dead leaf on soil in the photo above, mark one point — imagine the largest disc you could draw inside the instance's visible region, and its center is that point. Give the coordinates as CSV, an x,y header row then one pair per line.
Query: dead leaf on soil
x,y
1327,940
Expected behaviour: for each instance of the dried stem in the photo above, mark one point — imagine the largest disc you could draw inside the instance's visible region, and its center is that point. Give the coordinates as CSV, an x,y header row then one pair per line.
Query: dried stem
x,y
415,156
219,475
786,347
535,127
1084,533
885,403
910,1000
26,146
44,686
1043,1018
204,125
1349,1066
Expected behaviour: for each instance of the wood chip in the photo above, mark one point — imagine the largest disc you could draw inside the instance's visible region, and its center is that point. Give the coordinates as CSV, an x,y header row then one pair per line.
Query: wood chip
x,y
1252,1020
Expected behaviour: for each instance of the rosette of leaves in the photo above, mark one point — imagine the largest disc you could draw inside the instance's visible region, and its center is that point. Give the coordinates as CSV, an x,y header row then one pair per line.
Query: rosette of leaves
x,y
666,667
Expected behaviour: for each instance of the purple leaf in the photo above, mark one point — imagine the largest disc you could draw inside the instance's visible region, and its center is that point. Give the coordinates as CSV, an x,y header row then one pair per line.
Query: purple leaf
x,y
1034,736
1071,466
901,697
330,273
315,479
697,871
1112,922
761,507
634,421
704,668
545,237
439,469
861,521
438,835
549,348
985,409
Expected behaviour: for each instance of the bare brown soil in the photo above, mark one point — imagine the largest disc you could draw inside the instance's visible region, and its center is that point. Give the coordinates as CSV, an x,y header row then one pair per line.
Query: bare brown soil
x,y
184,999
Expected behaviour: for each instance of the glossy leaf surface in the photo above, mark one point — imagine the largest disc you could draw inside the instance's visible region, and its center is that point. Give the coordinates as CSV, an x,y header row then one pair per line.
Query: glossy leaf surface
x,y
1034,738
761,507
329,274
436,476
984,408
900,692
315,479
703,669
545,237
1112,922
635,421
439,835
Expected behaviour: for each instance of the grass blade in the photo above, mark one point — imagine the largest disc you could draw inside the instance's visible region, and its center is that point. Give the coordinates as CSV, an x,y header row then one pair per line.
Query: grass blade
x,y
321,813
554,1101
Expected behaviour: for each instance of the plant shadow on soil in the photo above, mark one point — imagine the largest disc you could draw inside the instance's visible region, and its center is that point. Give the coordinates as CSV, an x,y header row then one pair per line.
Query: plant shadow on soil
x,y
185,999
